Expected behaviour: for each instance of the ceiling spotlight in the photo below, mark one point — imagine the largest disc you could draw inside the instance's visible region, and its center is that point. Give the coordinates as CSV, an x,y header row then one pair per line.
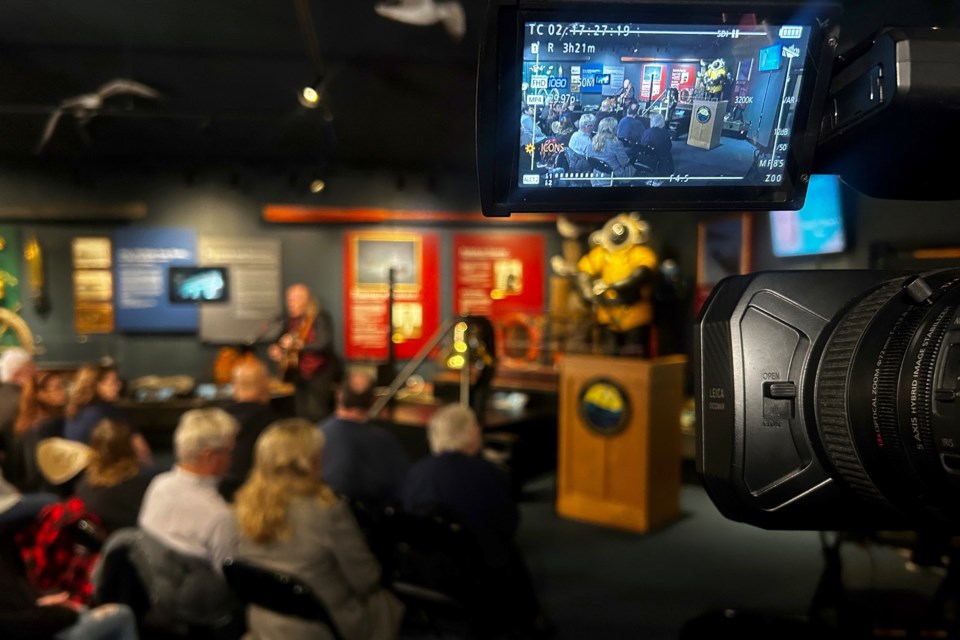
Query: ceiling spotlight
x,y
317,186
309,97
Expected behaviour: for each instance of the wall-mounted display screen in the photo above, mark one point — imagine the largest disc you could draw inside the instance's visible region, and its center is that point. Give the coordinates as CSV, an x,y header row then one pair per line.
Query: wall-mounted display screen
x,y
817,228
190,284
770,57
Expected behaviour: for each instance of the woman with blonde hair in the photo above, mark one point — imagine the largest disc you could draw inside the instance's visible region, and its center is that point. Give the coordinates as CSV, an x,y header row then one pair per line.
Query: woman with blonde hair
x,y
114,484
93,397
608,148
290,521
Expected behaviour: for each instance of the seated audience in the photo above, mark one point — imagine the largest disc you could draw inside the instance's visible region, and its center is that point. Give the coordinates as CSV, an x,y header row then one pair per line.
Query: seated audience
x,y
96,389
608,148
16,368
252,411
362,461
658,138
292,522
114,485
456,482
182,508
26,615
42,403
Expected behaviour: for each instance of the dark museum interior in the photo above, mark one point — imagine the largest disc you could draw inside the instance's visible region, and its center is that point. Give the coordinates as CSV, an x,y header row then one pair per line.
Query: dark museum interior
x,y
169,169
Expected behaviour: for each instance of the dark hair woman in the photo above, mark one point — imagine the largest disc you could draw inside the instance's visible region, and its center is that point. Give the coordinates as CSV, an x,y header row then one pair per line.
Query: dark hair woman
x,y
40,416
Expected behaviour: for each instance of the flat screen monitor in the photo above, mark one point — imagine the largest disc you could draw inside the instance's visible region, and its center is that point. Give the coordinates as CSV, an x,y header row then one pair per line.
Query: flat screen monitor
x,y
190,284
770,57
740,144
817,228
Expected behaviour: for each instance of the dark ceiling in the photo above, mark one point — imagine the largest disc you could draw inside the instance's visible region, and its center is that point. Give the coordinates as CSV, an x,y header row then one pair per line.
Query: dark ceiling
x,y
229,74
395,95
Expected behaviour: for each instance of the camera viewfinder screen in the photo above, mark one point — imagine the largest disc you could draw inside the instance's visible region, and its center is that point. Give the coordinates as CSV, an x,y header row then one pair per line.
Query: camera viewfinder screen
x,y
646,105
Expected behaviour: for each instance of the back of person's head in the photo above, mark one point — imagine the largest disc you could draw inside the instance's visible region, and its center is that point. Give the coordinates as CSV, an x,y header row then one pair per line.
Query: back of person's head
x,y
289,448
286,466
251,381
657,121
16,364
453,428
114,459
202,429
357,392
632,109
586,120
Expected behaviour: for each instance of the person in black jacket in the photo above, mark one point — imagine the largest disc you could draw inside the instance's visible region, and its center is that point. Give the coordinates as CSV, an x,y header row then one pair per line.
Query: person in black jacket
x,y
456,482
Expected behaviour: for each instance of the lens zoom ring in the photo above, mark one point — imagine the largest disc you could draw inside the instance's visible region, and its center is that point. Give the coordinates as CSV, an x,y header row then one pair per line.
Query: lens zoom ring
x,y
832,392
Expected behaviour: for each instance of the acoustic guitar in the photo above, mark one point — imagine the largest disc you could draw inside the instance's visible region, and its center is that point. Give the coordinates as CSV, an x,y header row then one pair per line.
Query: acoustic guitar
x,y
290,357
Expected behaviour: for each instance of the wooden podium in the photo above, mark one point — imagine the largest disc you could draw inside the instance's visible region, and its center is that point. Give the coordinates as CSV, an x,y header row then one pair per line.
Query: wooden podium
x,y
623,474
706,123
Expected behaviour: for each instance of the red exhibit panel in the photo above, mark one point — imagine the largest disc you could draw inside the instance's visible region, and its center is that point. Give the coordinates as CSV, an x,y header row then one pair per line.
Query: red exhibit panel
x,y
369,257
496,275
683,77
651,81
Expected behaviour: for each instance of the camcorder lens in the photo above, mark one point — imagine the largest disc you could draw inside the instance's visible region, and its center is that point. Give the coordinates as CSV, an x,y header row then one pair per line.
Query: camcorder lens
x,y
886,396
830,400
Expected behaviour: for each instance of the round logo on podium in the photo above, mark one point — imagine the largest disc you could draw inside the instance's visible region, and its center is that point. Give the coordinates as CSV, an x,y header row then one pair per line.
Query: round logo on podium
x,y
604,406
704,114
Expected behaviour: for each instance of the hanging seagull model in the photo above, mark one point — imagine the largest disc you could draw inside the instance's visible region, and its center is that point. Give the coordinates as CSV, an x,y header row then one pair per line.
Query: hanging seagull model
x,y
86,106
427,12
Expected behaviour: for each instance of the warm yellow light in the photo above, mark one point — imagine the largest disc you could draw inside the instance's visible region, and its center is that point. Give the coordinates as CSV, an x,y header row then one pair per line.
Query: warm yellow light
x,y
455,362
461,327
460,347
317,186
310,95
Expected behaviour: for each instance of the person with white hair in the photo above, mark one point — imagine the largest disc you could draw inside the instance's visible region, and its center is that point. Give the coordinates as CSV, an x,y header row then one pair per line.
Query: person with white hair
x,y
16,369
456,482
182,509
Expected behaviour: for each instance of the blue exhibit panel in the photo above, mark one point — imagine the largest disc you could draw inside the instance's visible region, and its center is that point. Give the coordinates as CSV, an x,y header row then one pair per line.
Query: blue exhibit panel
x,y
142,258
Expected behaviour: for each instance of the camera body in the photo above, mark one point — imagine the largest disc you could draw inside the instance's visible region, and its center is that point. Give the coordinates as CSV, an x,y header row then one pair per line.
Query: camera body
x,y
828,400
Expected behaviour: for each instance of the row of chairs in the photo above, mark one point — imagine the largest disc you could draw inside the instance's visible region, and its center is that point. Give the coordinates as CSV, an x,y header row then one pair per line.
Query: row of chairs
x,y
429,562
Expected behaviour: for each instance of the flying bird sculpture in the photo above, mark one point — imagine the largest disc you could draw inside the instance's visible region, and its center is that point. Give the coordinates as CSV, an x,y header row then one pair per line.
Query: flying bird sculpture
x,y
423,13
86,106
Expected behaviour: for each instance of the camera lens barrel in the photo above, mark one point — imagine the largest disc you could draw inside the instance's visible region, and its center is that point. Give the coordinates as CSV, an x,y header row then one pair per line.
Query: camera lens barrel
x,y
885,396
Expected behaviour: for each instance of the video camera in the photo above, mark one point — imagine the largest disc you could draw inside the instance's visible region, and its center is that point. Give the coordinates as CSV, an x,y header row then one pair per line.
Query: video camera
x,y
825,400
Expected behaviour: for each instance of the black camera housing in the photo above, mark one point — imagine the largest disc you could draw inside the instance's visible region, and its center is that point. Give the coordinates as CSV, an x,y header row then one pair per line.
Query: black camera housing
x,y
828,400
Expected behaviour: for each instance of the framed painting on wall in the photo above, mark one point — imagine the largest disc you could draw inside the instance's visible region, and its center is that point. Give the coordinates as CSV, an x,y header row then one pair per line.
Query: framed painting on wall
x,y
723,249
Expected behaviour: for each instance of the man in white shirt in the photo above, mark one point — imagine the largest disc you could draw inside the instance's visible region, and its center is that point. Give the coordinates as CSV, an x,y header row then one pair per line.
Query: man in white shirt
x,y
182,508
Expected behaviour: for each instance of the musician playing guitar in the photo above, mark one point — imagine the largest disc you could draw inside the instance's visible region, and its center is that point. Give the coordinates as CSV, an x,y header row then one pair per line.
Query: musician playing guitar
x,y
305,354
626,95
